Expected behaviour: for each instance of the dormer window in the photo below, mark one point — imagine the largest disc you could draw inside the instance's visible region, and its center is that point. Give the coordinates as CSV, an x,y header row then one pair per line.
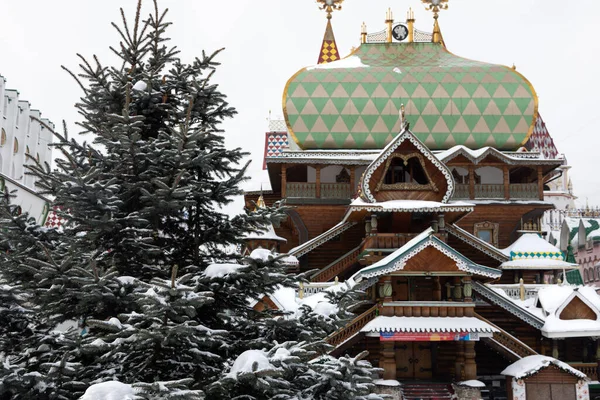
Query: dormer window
x,y
406,173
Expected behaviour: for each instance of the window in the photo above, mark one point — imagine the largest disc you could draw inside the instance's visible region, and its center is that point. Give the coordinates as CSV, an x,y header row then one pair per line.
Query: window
x,y
406,172
487,231
15,146
3,138
485,235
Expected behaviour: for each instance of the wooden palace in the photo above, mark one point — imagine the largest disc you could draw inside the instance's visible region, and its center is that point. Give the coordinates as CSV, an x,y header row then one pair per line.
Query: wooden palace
x,y
418,177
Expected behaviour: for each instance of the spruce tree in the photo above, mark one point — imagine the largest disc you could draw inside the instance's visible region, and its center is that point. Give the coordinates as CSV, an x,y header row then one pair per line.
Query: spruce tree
x,y
141,268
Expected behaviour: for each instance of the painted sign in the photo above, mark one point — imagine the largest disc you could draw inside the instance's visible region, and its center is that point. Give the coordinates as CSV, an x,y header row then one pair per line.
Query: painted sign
x,y
427,336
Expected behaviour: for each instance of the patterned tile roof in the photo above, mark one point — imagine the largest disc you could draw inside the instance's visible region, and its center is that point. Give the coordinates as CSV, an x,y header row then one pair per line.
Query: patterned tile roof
x,y
354,103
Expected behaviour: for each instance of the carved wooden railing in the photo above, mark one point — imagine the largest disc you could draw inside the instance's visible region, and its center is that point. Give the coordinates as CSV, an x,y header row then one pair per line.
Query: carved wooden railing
x,y
335,268
336,191
508,341
590,369
301,189
489,191
514,290
428,309
461,191
524,191
386,240
308,289
340,336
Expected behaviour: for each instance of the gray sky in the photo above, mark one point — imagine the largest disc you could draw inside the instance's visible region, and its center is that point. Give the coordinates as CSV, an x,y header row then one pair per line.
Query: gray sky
x,y
551,42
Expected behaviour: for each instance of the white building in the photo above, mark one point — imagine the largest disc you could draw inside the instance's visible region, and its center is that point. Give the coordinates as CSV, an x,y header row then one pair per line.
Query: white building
x,y
23,138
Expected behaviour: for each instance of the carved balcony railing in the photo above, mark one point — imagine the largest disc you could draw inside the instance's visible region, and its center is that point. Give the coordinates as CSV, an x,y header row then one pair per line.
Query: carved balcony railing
x,y
428,309
590,369
301,190
308,289
386,240
336,267
336,191
461,191
508,341
489,191
514,290
340,336
524,191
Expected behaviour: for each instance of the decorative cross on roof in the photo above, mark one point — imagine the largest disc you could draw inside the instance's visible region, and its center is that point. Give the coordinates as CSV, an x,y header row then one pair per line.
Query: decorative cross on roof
x,y
331,5
436,6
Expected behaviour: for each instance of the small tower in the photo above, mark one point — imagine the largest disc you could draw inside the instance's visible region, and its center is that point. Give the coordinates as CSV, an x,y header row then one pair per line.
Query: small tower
x,y
267,239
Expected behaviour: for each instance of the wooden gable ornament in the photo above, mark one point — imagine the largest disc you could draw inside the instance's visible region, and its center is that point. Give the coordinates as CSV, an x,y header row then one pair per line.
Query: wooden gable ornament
x,y
577,307
406,170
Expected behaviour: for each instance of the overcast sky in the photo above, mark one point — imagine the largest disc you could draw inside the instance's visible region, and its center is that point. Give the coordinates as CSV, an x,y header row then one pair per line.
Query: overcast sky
x,y
553,43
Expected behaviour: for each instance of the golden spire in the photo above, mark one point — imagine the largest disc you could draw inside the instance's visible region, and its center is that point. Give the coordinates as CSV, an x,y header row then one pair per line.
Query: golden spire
x,y
260,203
330,5
410,20
436,6
329,51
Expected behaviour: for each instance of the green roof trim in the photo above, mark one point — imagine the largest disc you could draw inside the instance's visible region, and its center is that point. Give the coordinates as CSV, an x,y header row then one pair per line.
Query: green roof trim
x,y
574,277
449,100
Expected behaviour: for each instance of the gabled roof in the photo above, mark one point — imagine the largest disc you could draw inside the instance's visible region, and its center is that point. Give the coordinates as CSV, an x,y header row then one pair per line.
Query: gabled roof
x,y
476,156
398,259
531,365
476,242
405,135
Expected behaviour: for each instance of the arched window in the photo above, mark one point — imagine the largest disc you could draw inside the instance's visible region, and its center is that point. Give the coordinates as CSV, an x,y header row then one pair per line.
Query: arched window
x,y
15,146
585,275
460,175
3,138
406,172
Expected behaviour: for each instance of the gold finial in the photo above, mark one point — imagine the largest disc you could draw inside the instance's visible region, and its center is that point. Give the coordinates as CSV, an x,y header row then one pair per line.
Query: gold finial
x,y
330,5
435,6
410,20
389,20
260,203
363,33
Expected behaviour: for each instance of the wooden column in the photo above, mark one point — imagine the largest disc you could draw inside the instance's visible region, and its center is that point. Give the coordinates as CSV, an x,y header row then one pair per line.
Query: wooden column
x,y
352,181
388,360
598,355
283,180
386,291
555,348
457,292
318,187
470,364
460,361
540,183
471,182
467,289
437,289
506,183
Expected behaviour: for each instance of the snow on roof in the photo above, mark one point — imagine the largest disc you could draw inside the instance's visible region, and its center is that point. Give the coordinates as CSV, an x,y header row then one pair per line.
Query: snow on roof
x,y
267,234
479,154
111,390
265,255
348,62
472,383
330,156
428,324
532,243
412,205
559,328
553,296
259,181
221,270
531,365
537,263
251,361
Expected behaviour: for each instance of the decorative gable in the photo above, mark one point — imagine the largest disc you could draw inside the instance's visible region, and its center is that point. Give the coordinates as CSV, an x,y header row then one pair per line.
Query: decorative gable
x,y
577,307
406,170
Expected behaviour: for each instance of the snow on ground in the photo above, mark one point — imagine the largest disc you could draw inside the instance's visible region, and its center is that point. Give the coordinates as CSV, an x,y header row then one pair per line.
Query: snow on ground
x,y
111,390
530,365
387,382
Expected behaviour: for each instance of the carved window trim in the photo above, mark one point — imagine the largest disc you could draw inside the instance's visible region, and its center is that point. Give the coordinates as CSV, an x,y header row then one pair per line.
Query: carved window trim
x,y
493,226
381,185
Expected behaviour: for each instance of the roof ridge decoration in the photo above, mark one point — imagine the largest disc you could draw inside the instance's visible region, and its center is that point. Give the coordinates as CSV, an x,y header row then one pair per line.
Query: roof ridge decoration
x,y
476,156
406,134
405,253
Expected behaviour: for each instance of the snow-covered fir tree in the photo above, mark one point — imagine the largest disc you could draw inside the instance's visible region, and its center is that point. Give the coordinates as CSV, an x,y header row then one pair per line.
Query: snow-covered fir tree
x,y
141,285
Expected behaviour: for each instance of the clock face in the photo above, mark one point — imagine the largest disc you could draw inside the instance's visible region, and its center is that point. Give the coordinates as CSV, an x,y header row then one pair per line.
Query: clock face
x,y
400,32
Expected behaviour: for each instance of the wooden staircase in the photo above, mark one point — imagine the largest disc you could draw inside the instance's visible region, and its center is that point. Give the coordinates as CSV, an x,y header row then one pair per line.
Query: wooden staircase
x,y
336,267
505,343
426,391
353,328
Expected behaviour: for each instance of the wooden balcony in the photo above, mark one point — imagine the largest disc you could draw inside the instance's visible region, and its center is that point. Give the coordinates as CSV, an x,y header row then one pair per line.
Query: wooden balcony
x,y
428,309
386,240
515,191
308,190
590,369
